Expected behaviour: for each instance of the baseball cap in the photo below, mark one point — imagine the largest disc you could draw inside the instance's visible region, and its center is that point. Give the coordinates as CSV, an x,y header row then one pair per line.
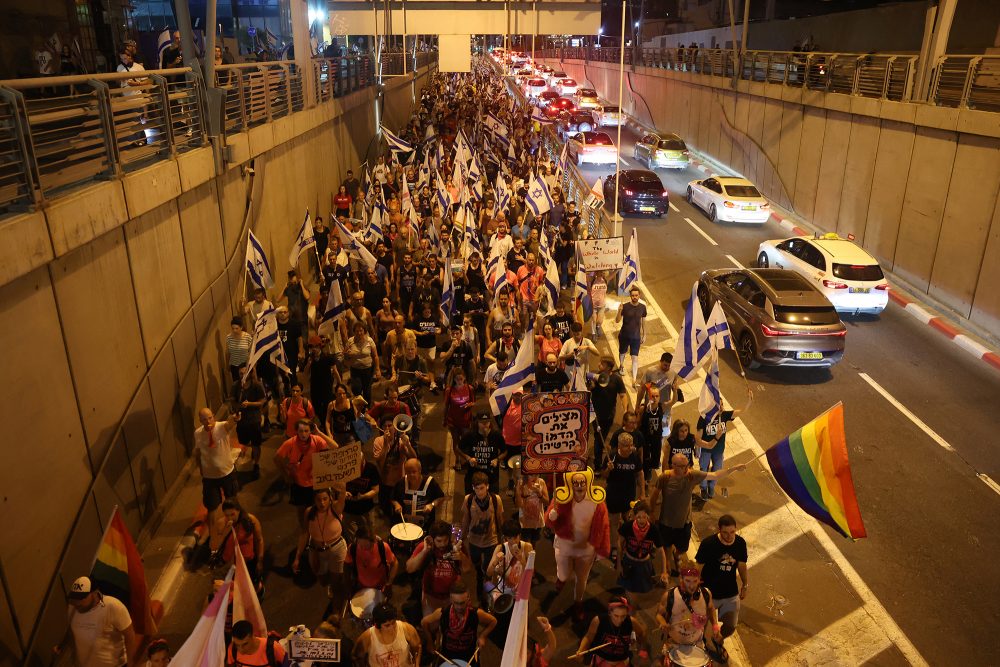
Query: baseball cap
x,y
483,416
80,588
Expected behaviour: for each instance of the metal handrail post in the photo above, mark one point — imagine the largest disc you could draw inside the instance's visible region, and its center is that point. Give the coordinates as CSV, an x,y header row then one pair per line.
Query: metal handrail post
x,y
168,121
887,78
963,101
856,79
103,94
242,92
25,144
266,75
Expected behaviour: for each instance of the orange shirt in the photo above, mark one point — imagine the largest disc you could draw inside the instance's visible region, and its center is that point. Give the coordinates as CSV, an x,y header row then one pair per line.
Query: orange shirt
x,y
300,457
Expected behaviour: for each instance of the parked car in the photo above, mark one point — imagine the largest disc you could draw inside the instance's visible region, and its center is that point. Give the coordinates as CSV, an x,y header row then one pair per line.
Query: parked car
x,y
776,317
571,122
534,87
609,115
728,198
586,98
842,270
592,147
640,191
666,150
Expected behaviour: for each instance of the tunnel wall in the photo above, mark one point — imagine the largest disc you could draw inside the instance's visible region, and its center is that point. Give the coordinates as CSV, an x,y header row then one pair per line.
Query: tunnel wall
x,y
113,332
916,184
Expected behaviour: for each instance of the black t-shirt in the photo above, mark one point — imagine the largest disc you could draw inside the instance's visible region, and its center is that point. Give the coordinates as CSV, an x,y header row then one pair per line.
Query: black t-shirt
x,y
637,439
368,480
484,448
289,334
621,476
685,447
717,429
253,392
720,561
561,325
321,378
374,293
426,328
423,496
474,306
632,317
553,379
636,548
407,280
460,359
605,399
651,424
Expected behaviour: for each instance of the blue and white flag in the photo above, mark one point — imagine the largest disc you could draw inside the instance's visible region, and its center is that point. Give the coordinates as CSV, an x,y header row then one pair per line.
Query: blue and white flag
x,y
475,171
257,267
352,245
396,145
373,232
163,40
503,193
497,128
519,374
510,153
539,116
439,156
632,272
408,209
443,196
710,401
265,338
305,239
693,344
538,198
447,294
334,310
551,282
717,326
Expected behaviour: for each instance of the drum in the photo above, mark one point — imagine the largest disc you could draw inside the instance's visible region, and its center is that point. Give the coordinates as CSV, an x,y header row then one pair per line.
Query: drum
x,y
363,603
404,538
688,656
408,395
514,462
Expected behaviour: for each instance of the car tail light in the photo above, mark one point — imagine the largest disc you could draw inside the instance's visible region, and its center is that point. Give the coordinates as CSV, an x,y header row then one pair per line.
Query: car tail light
x,y
833,284
768,331
686,153
884,287
666,194
765,205
729,204
629,192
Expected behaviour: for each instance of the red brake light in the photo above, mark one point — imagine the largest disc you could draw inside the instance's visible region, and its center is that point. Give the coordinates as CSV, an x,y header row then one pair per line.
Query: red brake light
x,y
629,192
884,287
833,284
729,204
666,194
768,331
687,152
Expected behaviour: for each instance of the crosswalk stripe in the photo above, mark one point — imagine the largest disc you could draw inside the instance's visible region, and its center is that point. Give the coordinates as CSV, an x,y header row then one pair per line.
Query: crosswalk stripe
x,y
851,640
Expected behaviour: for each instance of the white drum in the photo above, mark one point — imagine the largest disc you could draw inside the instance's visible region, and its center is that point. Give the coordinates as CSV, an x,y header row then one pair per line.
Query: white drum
x,y
363,602
687,655
404,538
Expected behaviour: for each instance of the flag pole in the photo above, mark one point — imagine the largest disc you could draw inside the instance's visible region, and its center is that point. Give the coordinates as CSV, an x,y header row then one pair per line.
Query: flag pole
x,y
246,268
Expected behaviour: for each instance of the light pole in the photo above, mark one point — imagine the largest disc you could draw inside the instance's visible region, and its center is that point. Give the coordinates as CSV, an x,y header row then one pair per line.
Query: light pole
x,y
621,110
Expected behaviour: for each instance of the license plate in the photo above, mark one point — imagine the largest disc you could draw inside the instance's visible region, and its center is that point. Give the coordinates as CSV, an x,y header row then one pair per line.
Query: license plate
x,y
860,290
808,355
647,208
749,208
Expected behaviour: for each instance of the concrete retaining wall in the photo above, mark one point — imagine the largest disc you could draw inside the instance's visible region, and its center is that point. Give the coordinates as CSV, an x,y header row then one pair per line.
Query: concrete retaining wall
x,y
916,184
120,320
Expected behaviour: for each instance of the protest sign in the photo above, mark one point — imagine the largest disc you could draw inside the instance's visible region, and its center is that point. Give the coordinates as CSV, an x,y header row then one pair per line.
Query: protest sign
x,y
336,465
602,254
554,431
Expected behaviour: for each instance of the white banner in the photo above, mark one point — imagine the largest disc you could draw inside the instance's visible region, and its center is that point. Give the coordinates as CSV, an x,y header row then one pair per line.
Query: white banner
x,y
602,254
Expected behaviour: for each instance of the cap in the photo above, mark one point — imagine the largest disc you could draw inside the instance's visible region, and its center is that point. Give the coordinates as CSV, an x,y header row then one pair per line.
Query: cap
x,y
315,341
80,588
483,416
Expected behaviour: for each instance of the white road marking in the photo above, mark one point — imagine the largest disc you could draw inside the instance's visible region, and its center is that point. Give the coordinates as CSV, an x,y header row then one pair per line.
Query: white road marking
x,y
989,482
700,231
970,345
906,412
767,534
735,261
838,643
673,208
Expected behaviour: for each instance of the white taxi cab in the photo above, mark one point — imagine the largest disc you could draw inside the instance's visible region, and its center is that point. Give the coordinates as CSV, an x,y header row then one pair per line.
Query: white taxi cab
x,y
728,198
842,270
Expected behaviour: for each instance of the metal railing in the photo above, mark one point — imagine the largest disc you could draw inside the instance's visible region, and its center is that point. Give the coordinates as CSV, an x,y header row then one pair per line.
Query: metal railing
x,y
60,132
958,81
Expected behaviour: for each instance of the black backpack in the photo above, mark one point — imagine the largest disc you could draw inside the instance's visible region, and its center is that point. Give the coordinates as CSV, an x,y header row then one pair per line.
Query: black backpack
x,y
353,549
494,501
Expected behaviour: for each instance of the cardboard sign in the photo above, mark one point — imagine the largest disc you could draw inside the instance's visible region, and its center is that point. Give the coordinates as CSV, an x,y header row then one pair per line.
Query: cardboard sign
x,y
327,650
602,254
336,465
554,431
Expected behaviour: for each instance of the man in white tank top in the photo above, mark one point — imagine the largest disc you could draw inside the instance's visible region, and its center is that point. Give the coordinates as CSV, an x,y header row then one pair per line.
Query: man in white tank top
x,y
389,642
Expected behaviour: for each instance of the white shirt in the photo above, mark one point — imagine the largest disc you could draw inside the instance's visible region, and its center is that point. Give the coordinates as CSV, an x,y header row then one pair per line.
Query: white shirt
x,y
583,359
134,67
216,457
97,634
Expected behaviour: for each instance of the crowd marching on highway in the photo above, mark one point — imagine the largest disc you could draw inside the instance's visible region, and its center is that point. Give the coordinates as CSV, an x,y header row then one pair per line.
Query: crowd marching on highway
x,y
448,274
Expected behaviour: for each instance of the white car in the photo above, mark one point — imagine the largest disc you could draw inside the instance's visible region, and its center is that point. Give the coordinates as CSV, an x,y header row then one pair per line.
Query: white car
x,y
843,271
553,76
534,87
592,147
729,198
566,87
586,98
609,116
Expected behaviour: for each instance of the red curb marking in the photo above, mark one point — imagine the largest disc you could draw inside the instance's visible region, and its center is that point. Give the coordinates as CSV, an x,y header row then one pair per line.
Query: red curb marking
x,y
898,298
943,327
992,358
799,231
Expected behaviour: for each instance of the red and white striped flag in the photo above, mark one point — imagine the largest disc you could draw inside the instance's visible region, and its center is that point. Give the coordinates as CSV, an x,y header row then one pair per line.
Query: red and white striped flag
x,y
206,646
246,605
515,650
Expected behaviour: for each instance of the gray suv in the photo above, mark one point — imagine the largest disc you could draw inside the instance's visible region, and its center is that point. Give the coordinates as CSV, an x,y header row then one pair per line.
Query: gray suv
x,y
777,318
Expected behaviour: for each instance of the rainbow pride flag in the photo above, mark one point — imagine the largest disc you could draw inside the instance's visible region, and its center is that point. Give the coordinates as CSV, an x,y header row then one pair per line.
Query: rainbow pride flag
x,y
811,466
118,572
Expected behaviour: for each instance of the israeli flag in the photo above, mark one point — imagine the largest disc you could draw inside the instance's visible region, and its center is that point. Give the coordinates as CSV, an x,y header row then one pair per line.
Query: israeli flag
x,y
257,267
510,153
265,337
518,375
334,310
447,294
693,344
719,335
351,244
539,117
305,239
443,196
551,275
538,198
396,145
497,128
374,233
475,171
632,272
710,401
503,193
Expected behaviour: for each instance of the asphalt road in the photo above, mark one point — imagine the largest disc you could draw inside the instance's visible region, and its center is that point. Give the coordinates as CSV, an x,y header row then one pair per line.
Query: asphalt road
x,y
929,517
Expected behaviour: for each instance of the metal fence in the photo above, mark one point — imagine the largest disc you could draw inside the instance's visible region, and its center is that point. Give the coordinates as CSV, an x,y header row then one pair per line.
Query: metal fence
x,y
958,81
61,132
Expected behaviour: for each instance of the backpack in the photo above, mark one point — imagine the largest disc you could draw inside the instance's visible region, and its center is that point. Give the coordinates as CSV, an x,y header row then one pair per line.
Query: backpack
x,y
353,549
670,600
272,637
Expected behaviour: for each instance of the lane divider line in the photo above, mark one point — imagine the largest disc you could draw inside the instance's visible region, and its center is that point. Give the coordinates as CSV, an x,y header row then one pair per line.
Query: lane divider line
x,y
989,482
673,208
700,231
735,261
917,421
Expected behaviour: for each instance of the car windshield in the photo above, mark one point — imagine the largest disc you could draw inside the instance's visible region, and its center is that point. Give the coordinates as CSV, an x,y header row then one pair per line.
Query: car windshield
x,y
641,177
864,272
536,82
806,315
610,109
587,92
742,191
597,138
671,145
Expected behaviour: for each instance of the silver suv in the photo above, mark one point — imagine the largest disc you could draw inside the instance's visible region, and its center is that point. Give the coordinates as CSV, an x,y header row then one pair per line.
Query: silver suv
x,y
777,318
